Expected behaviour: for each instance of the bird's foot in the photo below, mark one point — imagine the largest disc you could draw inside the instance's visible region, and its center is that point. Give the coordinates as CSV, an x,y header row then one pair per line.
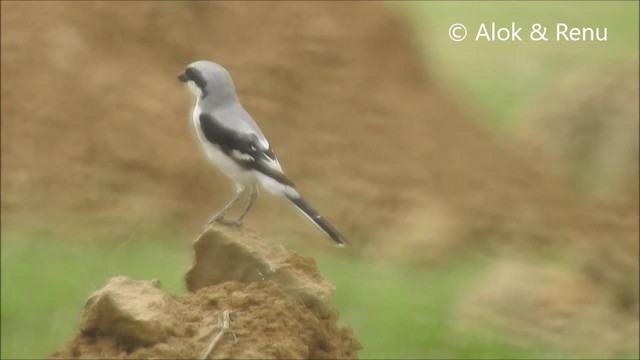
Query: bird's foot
x,y
237,223
214,218
224,221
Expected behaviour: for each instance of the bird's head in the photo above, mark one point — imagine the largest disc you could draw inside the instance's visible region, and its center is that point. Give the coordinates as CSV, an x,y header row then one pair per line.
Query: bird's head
x,y
207,79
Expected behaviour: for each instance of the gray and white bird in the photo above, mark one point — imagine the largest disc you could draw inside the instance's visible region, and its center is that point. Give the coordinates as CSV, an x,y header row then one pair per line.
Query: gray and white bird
x,y
234,143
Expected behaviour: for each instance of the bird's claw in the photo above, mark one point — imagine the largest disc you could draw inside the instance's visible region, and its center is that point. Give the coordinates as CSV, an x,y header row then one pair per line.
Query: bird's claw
x,y
213,220
225,221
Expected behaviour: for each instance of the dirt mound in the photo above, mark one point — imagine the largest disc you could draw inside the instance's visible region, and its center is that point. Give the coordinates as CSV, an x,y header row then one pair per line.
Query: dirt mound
x,y
233,254
587,122
131,320
541,303
283,314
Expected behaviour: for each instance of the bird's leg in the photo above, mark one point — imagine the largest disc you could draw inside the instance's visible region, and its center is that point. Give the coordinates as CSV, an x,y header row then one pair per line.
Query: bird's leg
x,y
219,216
253,195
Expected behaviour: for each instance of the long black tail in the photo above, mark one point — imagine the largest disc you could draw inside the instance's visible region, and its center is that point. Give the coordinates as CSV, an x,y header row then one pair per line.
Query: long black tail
x,y
316,218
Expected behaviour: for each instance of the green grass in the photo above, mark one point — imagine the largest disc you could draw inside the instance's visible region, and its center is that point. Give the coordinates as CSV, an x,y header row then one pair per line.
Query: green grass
x,y
406,312
396,312
45,283
499,76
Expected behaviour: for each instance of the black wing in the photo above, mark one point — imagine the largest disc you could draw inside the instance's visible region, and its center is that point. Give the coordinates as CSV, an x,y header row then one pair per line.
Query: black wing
x,y
244,148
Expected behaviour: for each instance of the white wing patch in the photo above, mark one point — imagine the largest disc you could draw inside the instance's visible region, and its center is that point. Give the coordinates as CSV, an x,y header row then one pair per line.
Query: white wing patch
x,y
273,162
241,156
264,142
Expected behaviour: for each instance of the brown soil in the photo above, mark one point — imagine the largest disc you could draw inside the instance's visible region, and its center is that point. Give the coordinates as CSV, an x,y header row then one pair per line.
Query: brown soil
x,y
587,125
234,254
536,303
281,315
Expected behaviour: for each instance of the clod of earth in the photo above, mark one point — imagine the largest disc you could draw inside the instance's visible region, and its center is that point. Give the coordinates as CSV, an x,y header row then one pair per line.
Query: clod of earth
x,y
233,254
249,298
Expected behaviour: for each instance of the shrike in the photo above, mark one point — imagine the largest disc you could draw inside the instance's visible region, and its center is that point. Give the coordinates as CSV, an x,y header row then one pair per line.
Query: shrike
x,y
234,143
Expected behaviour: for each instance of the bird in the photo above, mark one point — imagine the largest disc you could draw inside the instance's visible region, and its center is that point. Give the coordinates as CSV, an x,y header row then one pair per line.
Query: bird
x,y
232,141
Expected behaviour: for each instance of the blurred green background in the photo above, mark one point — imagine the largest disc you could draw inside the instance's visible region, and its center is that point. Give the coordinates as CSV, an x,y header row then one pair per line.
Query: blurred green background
x,y
396,311
498,76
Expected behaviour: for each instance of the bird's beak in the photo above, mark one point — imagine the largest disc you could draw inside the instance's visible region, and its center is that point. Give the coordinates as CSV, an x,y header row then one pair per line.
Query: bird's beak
x,y
183,77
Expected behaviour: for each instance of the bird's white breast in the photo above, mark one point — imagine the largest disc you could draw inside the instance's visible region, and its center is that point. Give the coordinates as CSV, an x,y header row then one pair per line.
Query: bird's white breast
x,y
217,156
